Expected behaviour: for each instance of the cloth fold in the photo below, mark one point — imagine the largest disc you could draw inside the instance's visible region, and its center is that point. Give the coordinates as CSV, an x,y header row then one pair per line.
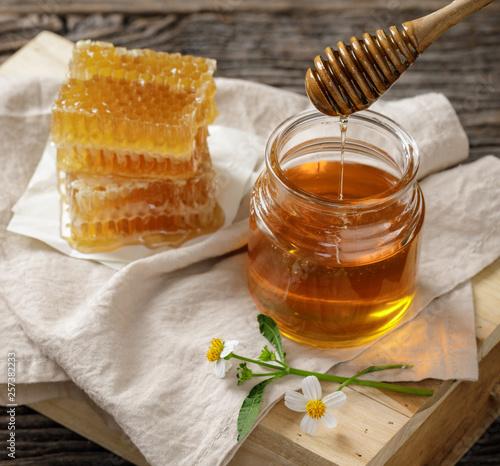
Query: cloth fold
x,y
135,340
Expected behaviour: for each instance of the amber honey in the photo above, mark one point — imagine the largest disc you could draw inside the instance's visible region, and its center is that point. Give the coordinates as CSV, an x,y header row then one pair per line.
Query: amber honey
x,y
348,294
335,268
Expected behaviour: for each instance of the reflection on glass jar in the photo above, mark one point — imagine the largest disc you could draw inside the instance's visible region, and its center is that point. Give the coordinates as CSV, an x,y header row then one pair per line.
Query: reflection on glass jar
x,y
334,271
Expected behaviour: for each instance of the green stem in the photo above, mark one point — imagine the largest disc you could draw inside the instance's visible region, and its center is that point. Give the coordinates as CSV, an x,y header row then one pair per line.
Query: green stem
x,y
284,364
267,374
366,383
373,369
256,361
342,380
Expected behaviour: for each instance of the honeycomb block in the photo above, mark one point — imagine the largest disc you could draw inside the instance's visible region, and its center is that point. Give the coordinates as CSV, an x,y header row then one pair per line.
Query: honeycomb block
x,y
184,71
134,167
119,114
98,198
104,215
124,163
139,100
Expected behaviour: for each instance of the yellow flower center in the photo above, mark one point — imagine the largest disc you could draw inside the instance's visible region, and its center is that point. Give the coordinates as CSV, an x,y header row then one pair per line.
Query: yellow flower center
x,y
216,347
316,409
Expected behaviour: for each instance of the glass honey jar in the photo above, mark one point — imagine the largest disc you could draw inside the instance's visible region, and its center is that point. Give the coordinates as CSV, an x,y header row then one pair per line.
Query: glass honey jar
x,y
334,234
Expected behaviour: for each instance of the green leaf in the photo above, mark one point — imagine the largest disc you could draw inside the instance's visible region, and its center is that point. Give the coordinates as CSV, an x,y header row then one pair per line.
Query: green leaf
x,y
270,330
250,408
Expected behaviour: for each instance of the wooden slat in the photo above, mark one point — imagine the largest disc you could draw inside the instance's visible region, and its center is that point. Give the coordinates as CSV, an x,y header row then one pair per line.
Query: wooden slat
x,y
42,441
78,416
38,59
455,424
486,289
191,6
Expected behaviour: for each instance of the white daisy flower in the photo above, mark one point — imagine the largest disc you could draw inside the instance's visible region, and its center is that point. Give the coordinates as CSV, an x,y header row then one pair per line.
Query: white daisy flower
x,y
310,402
218,350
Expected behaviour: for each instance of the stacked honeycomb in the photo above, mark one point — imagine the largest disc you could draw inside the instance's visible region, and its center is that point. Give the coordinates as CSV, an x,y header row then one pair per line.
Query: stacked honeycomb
x,y
130,128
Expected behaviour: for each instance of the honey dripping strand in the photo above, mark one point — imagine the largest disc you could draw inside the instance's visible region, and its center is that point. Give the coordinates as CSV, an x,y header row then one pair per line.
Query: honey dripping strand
x,y
343,122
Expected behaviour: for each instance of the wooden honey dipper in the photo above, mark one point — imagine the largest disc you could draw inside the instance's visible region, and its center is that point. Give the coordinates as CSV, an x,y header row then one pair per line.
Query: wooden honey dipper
x,y
356,75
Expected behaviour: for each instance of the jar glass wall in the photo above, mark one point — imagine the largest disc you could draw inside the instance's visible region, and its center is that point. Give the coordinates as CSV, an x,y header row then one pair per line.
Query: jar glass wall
x,y
333,248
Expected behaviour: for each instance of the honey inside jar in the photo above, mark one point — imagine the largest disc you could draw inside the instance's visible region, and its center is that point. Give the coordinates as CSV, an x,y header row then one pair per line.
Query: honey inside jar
x,y
334,272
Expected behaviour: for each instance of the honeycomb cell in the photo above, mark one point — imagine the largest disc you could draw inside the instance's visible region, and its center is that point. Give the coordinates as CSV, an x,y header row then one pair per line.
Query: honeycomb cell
x,y
133,164
92,58
95,197
150,231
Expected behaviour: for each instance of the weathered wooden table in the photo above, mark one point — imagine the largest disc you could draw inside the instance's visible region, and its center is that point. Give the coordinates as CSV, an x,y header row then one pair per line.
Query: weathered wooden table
x,y
274,43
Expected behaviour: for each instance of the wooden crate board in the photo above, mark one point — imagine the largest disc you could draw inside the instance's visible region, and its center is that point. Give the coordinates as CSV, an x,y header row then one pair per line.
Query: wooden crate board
x,y
378,427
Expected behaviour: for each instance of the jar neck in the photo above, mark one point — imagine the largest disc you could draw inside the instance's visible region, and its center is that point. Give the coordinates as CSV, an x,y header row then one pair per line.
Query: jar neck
x,y
293,142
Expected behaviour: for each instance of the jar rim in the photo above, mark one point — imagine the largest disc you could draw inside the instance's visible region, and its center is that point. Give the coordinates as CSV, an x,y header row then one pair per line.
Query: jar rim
x,y
368,116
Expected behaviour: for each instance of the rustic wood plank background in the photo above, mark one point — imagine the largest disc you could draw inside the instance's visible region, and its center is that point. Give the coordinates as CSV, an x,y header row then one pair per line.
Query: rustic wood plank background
x,y
274,42
271,42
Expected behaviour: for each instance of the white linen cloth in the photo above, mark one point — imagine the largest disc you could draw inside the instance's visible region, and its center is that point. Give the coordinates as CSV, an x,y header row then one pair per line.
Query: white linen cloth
x,y
135,340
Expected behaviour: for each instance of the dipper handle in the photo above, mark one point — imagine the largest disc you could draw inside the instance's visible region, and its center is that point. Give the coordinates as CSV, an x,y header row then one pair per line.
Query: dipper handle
x,y
425,30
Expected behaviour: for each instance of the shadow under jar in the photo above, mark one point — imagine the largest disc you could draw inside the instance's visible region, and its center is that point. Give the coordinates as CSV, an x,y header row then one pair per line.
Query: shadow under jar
x,y
333,257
